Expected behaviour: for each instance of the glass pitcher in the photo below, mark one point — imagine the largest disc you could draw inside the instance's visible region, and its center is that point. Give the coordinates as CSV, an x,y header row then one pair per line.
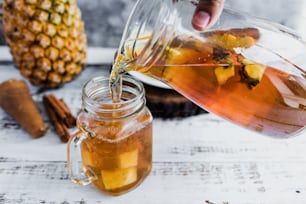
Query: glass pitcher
x,y
246,70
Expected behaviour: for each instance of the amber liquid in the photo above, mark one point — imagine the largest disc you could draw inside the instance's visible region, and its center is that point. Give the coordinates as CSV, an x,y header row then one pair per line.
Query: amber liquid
x,y
275,106
119,153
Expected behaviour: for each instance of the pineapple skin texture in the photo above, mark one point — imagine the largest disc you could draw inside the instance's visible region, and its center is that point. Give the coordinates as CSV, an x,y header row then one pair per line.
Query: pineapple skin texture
x,y
46,38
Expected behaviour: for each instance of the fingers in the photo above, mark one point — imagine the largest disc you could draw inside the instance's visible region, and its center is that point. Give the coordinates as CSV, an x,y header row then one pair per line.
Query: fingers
x,y
206,13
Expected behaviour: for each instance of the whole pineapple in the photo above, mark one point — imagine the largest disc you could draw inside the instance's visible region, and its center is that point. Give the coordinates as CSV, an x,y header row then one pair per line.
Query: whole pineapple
x,y
46,38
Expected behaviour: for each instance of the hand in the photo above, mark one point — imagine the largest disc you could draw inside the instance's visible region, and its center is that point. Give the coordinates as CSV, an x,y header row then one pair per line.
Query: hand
x,y
206,13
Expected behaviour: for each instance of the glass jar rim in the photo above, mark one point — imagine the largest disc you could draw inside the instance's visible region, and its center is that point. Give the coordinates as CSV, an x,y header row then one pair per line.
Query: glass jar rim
x,y
133,96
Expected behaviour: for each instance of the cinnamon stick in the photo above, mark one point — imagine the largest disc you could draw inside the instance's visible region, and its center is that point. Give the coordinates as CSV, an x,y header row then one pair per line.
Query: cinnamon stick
x,y
70,119
61,110
60,116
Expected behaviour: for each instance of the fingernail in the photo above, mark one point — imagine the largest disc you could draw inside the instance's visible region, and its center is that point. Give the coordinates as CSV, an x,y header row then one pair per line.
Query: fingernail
x,y
200,20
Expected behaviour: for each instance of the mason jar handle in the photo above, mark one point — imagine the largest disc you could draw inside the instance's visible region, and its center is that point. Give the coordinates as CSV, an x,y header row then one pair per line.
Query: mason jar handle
x,y
79,173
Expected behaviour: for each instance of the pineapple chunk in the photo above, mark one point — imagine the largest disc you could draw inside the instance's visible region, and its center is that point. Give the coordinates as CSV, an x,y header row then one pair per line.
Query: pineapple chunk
x,y
230,41
252,72
224,73
118,178
128,159
255,71
247,42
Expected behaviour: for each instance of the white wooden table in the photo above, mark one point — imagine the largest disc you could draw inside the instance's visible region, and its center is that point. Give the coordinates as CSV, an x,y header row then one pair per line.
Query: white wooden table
x,y
196,160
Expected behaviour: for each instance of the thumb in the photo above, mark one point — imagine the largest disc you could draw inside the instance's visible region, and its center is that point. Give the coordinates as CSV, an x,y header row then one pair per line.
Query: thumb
x,y
206,13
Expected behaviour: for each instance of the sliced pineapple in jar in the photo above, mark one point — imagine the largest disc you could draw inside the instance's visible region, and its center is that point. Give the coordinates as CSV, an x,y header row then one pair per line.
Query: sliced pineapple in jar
x,y
123,160
119,178
128,159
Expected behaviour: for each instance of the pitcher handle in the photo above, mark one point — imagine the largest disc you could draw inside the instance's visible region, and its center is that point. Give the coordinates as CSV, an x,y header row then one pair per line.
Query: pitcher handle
x,y
78,173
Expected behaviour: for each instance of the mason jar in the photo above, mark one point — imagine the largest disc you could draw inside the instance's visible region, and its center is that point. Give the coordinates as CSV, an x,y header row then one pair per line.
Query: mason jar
x,y
112,147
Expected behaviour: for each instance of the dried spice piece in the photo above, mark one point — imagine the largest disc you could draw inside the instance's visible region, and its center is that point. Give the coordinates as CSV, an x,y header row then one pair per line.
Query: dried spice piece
x,y
17,101
60,116
220,54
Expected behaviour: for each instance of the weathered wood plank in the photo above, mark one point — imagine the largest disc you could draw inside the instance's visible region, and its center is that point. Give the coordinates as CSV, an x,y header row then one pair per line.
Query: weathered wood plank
x,y
169,182
188,166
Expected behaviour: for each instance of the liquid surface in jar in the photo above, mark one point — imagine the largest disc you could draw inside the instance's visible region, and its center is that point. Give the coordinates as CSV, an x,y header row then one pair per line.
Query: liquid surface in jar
x,y
119,154
212,75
